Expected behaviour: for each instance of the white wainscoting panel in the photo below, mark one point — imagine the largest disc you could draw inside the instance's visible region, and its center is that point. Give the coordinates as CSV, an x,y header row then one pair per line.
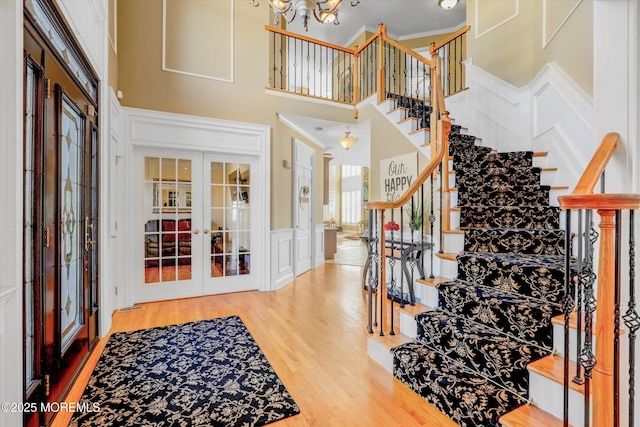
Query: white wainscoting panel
x,y
318,257
281,258
551,114
562,123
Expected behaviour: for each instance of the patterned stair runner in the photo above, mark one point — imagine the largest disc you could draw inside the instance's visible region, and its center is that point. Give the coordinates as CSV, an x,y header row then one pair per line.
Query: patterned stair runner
x,y
471,353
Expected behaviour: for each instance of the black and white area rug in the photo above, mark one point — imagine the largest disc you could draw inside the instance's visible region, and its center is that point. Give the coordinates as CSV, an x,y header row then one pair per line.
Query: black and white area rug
x,y
205,373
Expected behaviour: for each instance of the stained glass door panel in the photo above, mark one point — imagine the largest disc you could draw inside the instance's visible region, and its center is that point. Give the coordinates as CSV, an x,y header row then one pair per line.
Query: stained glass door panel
x,y
72,187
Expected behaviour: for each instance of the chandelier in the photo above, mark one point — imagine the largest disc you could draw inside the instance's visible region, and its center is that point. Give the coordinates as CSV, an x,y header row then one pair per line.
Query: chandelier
x,y
325,11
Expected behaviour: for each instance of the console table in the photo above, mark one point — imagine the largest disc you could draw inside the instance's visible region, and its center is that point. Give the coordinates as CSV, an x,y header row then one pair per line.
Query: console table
x,y
406,252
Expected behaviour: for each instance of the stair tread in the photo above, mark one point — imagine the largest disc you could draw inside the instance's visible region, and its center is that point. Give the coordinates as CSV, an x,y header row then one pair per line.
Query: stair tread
x,y
447,256
529,416
434,281
390,341
552,367
417,308
421,130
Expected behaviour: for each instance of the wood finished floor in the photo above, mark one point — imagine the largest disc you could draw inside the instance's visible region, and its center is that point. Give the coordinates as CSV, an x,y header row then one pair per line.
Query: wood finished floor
x,y
312,332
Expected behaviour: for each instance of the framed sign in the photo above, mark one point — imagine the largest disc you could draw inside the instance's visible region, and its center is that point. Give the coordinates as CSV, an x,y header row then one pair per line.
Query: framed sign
x,y
397,174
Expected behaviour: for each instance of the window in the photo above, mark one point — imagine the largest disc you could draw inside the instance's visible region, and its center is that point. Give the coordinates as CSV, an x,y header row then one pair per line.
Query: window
x,y
351,194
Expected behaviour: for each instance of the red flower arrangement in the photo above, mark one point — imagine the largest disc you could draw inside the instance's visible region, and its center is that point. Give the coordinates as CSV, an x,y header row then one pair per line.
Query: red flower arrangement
x,y
389,226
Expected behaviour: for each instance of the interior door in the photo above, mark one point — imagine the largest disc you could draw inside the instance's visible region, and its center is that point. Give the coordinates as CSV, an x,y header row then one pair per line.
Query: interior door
x,y
303,207
197,225
230,218
171,225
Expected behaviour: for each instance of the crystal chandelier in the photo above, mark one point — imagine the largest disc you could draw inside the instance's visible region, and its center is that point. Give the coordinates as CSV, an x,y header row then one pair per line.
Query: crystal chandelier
x,y
325,11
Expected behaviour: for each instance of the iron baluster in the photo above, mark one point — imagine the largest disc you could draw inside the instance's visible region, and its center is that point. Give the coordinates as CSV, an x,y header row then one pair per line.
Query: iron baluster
x,y
616,320
442,178
567,308
577,379
392,281
587,358
432,220
632,319
369,267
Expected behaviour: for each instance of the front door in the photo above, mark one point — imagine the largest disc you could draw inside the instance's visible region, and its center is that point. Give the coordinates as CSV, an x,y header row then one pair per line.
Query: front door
x,y
60,221
197,225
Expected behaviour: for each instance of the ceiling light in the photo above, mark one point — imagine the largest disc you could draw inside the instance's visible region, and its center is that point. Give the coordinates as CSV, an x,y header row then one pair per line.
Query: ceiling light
x,y
325,11
347,140
447,4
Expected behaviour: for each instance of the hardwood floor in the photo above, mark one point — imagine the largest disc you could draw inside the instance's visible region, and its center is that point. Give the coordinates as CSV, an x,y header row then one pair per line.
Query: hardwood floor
x,y
312,332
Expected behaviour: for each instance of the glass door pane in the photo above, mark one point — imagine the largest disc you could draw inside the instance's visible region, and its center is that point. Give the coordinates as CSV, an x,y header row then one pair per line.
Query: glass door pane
x,y
168,217
230,215
71,221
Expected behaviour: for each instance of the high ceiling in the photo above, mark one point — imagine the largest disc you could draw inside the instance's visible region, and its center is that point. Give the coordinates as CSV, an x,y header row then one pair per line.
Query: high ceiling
x,y
404,19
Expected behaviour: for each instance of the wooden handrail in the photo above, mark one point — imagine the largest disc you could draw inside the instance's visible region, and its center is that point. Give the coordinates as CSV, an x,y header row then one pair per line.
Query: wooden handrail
x,y
439,137
435,46
600,201
596,166
608,206
308,39
407,51
406,196
378,33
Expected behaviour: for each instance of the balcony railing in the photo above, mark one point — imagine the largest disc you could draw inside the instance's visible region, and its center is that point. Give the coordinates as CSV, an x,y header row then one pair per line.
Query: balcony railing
x,y
314,68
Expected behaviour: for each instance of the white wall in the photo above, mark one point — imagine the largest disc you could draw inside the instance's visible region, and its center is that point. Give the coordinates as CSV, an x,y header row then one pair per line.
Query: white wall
x,y
550,114
11,70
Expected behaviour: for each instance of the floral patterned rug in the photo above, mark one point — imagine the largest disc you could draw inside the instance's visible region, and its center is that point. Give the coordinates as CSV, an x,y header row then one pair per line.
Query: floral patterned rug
x,y
470,356
205,373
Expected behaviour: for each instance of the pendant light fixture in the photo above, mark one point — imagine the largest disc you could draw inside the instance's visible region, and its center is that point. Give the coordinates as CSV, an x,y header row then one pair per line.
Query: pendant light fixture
x,y
347,141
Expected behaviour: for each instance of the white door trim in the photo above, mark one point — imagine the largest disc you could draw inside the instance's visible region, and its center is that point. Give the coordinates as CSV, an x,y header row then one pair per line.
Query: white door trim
x,y
147,129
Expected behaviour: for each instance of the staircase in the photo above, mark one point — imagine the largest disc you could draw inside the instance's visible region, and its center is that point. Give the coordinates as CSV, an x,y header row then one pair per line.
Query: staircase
x,y
470,353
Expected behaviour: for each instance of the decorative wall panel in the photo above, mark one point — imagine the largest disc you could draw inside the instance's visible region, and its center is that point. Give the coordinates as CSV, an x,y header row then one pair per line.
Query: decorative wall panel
x,y
197,38
491,14
554,15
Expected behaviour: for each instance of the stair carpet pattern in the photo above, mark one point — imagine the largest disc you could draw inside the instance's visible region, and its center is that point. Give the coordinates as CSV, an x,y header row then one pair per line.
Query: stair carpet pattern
x,y
414,107
470,356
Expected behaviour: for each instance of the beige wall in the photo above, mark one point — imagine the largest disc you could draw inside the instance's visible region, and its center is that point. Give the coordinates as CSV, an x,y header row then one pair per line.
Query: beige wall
x,y
113,42
514,39
145,85
386,141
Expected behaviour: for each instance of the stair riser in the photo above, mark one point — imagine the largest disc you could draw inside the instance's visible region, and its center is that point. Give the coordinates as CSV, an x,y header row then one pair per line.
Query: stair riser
x,y
558,340
531,242
380,354
489,178
453,242
548,396
509,196
428,296
510,313
420,372
514,159
480,349
542,282
508,217
408,325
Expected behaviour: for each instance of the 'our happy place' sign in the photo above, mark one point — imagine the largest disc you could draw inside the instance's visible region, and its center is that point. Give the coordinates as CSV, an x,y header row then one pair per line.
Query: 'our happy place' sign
x,y
397,174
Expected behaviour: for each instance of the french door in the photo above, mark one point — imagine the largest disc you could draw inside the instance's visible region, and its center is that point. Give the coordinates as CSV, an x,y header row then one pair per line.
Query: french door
x,y
196,224
60,266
